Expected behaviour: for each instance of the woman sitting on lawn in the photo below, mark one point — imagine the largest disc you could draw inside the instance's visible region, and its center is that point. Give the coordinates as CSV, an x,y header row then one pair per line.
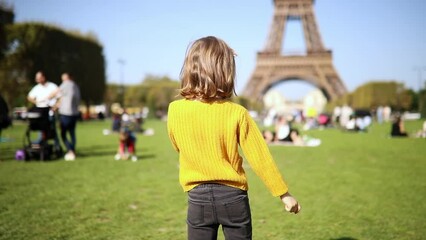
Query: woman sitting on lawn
x,y
398,128
283,133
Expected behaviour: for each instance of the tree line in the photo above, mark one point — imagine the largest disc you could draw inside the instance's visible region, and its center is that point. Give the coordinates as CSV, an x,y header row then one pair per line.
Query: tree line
x,y
29,47
154,92
383,93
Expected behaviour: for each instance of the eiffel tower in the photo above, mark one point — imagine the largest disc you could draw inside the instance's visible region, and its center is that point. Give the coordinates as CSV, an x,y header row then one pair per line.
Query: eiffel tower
x,y
316,67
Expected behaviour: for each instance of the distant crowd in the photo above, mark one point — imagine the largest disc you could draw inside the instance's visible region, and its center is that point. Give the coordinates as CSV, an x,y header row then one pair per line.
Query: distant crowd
x,y
343,117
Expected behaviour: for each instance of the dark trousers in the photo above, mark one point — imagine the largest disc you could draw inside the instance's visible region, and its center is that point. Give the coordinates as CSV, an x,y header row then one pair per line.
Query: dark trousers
x,y
68,124
52,120
211,205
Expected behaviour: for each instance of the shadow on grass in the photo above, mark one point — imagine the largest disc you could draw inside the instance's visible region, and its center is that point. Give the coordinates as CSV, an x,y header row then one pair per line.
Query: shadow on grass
x,y
103,150
93,147
8,148
95,154
8,154
97,150
343,238
145,156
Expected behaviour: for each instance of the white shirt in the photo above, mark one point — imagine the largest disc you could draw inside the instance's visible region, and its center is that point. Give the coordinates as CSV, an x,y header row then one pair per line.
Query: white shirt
x,y
41,94
283,131
350,125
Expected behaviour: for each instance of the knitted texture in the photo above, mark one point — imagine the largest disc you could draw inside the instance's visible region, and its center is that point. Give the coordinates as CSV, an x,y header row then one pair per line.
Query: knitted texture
x,y
207,137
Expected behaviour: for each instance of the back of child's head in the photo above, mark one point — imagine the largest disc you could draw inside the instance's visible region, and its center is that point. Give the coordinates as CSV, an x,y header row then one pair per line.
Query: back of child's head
x,y
208,71
125,132
123,136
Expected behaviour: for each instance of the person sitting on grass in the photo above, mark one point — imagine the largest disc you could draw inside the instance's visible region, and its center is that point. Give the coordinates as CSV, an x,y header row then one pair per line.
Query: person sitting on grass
x,y
422,133
398,128
283,133
206,128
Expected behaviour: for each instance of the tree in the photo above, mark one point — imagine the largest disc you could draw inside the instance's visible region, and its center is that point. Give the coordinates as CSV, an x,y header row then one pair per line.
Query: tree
x,y
422,102
6,17
248,103
414,99
153,92
346,99
37,46
111,94
377,93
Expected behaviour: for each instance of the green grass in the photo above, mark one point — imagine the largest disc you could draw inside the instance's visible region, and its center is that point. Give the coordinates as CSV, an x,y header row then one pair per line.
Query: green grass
x,y
354,186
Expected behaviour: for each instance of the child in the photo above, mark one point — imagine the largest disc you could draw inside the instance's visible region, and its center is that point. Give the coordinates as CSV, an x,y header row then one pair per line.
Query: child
x,y
127,141
205,128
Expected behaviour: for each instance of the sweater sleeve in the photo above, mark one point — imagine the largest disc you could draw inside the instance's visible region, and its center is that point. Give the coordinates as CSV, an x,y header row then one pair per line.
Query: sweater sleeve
x,y
259,157
170,129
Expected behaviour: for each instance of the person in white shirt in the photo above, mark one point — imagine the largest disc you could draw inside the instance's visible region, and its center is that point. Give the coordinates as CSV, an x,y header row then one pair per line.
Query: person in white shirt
x,y
285,133
39,94
40,97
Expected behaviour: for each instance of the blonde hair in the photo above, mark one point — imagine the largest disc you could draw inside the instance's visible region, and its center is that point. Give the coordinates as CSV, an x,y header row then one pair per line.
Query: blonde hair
x,y
208,71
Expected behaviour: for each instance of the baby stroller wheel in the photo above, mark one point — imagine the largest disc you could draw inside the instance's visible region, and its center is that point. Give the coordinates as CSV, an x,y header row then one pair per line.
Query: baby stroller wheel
x,y
39,121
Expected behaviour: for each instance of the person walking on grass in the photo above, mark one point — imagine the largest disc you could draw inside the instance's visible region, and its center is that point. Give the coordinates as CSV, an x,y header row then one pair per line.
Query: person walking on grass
x,y
206,128
69,100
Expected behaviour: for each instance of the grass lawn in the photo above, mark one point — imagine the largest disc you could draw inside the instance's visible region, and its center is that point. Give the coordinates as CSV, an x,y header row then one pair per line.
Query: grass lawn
x,y
352,187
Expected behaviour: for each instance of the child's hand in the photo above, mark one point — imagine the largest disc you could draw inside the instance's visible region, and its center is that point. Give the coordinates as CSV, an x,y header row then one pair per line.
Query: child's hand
x,y
290,203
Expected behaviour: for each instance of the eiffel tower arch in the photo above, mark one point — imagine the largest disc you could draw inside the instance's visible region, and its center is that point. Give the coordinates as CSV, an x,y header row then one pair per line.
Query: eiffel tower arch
x,y
316,67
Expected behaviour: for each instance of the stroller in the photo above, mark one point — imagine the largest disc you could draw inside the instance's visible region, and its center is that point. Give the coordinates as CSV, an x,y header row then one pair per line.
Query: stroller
x,y
40,122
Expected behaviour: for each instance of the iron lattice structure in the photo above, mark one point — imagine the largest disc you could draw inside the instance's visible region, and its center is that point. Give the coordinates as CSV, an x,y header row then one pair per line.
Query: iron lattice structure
x,y
316,67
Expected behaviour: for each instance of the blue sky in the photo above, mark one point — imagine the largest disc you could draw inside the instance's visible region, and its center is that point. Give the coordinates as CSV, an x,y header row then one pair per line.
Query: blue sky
x,y
370,39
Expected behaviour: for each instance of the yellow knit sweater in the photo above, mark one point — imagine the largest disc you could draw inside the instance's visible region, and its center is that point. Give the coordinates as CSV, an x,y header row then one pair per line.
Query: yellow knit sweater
x,y
207,135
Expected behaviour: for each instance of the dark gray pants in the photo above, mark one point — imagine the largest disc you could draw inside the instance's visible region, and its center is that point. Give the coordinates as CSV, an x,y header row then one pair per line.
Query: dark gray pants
x,y
211,205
